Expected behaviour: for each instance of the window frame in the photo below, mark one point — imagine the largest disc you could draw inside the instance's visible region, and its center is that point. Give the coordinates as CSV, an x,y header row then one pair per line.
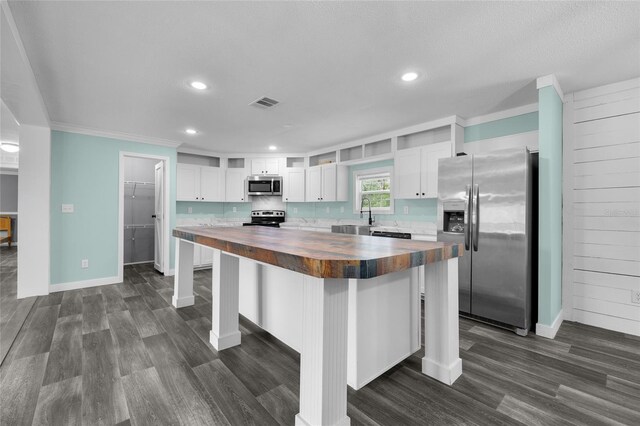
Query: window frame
x,y
358,175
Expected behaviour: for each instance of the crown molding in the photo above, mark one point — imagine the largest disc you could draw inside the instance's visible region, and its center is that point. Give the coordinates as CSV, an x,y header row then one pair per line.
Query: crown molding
x,y
72,128
508,113
550,80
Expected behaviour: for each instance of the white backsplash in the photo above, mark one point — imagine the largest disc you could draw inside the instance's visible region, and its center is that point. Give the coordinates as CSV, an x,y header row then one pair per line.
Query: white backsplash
x,y
264,202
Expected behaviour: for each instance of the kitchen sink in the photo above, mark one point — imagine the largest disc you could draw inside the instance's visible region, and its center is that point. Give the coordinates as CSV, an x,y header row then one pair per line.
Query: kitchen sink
x,y
351,229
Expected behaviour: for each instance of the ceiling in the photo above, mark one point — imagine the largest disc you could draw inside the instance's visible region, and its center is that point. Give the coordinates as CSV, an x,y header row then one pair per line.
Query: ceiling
x,y
334,66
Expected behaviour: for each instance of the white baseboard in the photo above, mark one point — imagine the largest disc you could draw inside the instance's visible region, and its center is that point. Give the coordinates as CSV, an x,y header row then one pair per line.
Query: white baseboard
x,y
13,244
53,288
550,331
170,273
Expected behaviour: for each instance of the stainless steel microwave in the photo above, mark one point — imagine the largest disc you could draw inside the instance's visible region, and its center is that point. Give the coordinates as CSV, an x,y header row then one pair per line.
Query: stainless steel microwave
x,y
264,185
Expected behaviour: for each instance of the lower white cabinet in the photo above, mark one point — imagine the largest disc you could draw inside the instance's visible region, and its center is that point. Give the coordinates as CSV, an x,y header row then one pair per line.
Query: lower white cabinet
x,y
202,256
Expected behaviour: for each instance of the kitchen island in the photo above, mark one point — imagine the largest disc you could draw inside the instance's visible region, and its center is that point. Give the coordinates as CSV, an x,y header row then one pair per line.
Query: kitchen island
x,y
326,263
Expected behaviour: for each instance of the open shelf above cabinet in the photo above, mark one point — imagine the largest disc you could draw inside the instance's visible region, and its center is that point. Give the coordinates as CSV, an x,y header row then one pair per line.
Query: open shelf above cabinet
x,y
425,137
326,158
198,160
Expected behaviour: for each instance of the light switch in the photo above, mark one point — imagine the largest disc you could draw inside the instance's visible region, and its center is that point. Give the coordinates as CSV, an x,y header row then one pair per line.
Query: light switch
x,y
67,208
406,209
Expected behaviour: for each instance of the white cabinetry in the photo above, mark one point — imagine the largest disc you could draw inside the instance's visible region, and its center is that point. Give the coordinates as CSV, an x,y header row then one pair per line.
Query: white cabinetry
x,y
293,185
235,190
202,256
328,182
416,170
198,183
265,166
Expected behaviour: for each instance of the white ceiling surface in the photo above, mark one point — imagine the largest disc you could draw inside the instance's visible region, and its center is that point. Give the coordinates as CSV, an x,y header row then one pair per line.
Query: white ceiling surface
x,y
17,87
335,67
9,128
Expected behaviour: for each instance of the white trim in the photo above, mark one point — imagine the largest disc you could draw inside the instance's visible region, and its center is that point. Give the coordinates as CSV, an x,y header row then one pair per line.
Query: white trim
x,y
516,140
170,273
9,213
547,331
73,128
167,208
75,285
507,113
567,207
13,172
373,171
13,243
25,59
434,124
550,80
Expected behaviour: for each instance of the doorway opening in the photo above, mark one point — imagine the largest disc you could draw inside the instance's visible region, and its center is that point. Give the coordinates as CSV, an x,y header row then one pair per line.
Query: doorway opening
x,y
144,203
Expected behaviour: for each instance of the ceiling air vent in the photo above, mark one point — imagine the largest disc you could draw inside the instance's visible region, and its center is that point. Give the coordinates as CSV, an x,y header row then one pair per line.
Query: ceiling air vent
x,y
264,102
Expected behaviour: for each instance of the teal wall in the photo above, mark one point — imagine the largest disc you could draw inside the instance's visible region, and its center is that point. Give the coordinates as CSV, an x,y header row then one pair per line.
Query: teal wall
x,y
419,210
503,127
85,173
550,206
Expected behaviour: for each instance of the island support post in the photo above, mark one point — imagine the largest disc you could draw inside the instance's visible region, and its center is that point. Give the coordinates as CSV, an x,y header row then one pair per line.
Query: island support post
x,y
441,334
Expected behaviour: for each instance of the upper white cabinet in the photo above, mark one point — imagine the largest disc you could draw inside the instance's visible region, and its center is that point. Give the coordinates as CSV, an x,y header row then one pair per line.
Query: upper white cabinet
x,y
236,190
327,182
416,170
293,185
265,166
198,183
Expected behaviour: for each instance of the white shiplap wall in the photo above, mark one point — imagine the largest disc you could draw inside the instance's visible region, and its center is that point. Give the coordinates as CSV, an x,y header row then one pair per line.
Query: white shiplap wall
x,y
604,207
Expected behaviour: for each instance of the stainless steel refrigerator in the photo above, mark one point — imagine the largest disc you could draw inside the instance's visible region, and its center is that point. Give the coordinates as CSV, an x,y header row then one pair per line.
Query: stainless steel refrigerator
x,y
485,201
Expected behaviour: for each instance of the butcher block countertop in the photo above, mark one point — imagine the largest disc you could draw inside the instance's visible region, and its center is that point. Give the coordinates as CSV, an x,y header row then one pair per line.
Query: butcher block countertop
x,y
322,255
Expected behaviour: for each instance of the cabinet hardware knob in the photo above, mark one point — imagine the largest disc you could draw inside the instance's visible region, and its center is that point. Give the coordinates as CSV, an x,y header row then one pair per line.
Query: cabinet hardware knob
x,y
417,193
423,193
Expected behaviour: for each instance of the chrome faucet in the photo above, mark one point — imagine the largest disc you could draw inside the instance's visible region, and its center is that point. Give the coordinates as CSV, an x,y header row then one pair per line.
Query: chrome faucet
x,y
361,210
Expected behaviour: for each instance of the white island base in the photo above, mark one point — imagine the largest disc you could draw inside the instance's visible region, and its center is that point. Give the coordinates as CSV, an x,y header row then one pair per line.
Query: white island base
x,y
347,330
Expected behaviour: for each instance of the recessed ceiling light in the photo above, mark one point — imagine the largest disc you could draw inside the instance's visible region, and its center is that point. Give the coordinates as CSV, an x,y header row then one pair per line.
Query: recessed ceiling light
x,y
409,76
198,85
191,131
9,147
272,147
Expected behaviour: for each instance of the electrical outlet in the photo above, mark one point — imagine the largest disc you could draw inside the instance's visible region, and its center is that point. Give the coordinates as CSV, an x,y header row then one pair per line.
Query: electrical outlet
x,y
295,210
189,209
406,209
67,208
341,209
328,210
635,296
235,210
85,263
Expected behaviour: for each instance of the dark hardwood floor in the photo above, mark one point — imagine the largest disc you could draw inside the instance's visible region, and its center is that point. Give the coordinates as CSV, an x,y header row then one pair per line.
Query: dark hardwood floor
x,y
121,354
13,312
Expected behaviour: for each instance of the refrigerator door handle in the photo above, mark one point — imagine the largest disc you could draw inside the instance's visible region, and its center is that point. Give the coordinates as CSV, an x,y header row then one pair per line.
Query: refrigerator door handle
x,y
476,216
467,218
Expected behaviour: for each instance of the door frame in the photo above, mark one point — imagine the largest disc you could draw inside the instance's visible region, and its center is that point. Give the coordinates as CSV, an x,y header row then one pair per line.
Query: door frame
x,y
167,210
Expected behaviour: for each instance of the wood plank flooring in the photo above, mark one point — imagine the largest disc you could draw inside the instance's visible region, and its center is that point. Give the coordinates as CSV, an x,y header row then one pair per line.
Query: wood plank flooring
x,y
121,354
13,312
